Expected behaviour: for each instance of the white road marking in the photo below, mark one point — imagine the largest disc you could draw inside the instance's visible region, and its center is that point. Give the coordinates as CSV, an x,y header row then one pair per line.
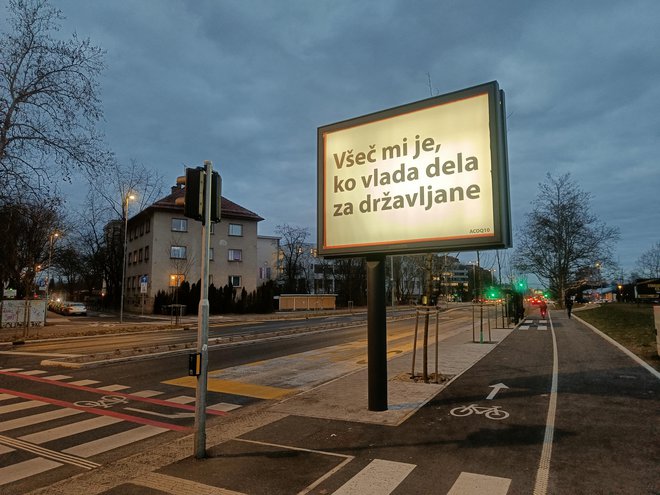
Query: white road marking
x,y
178,415
25,469
7,396
524,327
113,388
543,472
5,450
35,419
179,486
21,406
380,477
111,442
48,453
12,370
478,484
223,406
84,383
542,327
312,486
69,430
57,377
33,372
496,388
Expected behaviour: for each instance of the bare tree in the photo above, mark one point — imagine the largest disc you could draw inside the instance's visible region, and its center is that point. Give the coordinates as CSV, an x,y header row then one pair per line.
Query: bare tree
x,y
648,263
100,223
293,246
561,236
24,241
48,101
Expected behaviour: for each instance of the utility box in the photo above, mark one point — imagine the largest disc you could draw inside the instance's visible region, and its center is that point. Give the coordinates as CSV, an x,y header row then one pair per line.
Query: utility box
x,y
307,302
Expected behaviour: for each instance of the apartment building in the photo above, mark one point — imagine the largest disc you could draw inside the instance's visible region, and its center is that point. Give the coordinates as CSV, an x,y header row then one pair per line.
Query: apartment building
x,y
164,250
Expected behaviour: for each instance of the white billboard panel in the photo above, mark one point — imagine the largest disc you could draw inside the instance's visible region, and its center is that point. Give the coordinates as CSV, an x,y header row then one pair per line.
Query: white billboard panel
x,y
427,176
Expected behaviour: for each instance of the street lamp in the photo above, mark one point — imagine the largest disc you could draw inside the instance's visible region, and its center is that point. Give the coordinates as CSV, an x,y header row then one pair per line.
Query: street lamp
x,y
124,212
51,240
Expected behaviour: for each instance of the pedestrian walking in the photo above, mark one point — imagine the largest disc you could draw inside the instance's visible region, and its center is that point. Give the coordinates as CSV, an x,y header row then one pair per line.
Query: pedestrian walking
x,y
569,305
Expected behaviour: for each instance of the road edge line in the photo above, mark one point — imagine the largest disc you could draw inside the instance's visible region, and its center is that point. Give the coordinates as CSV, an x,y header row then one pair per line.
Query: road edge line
x,y
543,471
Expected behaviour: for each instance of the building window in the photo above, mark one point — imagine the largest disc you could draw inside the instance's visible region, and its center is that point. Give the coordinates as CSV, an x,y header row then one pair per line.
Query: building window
x,y
235,280
212,228
147,227
146,253
129,258
178,252
236,229
176,279
210,254
264,272
140,252
179,225
235,255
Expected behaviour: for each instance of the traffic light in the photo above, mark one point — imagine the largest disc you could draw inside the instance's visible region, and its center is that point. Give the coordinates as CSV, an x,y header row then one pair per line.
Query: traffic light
x,y
216,196
193,202
521,285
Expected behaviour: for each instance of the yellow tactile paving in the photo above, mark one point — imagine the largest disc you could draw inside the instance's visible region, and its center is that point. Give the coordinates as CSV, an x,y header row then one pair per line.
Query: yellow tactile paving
x,y
234,387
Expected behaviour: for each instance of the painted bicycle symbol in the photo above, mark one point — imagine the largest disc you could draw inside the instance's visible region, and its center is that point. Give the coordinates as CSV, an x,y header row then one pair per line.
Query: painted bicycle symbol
x,y
105,402
492,412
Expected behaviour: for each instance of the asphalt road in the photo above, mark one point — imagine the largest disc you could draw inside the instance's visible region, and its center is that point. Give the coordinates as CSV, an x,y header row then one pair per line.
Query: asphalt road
x,y
553,409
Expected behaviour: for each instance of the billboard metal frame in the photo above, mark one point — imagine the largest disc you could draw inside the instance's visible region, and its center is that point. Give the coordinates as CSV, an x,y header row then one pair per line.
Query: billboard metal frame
x,y
501,236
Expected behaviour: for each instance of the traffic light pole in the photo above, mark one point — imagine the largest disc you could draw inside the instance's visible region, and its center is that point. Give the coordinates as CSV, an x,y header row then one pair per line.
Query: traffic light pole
x,y
203,323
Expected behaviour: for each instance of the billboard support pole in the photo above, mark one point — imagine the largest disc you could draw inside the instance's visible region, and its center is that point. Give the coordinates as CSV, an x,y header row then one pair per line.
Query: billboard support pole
x,y
377,332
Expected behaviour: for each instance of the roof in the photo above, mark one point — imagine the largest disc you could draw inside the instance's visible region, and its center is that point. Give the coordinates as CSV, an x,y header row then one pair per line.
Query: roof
x,y
228,209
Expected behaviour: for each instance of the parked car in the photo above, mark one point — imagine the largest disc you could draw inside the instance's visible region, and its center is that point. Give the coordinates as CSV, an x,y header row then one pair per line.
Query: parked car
x,y
74,308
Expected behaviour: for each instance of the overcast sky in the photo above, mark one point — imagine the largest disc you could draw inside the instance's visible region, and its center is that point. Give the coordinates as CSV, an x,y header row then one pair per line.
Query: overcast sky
x,y
246,84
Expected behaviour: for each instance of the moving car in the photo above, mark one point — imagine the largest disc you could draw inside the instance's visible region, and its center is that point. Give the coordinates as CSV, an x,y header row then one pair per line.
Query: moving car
x,y
74,308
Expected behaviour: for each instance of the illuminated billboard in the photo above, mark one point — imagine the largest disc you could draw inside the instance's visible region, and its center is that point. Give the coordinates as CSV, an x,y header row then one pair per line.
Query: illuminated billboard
x,y
427,176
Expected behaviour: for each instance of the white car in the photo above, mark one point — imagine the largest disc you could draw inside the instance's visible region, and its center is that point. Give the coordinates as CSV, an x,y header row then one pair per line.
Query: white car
x,y
74,308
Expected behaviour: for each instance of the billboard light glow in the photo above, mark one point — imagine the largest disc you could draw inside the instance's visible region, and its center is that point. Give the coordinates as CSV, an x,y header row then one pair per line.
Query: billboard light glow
x,y
428,176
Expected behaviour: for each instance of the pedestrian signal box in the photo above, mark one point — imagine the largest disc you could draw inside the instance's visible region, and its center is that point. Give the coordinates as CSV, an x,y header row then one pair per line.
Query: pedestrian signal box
x,y
195,364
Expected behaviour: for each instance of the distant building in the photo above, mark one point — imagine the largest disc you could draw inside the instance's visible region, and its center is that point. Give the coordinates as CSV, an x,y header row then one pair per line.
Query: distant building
x,y
164,249
268,248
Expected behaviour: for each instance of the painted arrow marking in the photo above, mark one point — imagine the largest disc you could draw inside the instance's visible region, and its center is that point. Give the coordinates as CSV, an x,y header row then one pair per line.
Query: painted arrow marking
x,y
496,388
170,416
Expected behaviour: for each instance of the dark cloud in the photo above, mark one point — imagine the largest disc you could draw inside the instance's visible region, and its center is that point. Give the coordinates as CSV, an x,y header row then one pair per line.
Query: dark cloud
x,y
246,83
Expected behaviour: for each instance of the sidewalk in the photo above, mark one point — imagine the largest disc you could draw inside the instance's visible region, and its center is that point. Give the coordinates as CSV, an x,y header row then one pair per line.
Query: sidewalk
x,y
170,469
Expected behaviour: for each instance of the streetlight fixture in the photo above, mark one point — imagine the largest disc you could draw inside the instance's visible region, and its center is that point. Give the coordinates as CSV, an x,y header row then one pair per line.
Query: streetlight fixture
x,y
124,211
51,240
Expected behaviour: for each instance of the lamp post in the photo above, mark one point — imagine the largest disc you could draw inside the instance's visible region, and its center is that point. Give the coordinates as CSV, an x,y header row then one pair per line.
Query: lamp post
x,y
124,212
51,240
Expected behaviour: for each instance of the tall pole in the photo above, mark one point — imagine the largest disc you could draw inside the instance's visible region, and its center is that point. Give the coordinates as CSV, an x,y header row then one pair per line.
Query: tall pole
x,y
376,333
392,266
203,322
50,258
124,212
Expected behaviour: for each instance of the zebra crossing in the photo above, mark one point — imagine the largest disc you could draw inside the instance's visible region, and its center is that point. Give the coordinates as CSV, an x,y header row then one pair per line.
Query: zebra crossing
x,y
39,434
534,325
